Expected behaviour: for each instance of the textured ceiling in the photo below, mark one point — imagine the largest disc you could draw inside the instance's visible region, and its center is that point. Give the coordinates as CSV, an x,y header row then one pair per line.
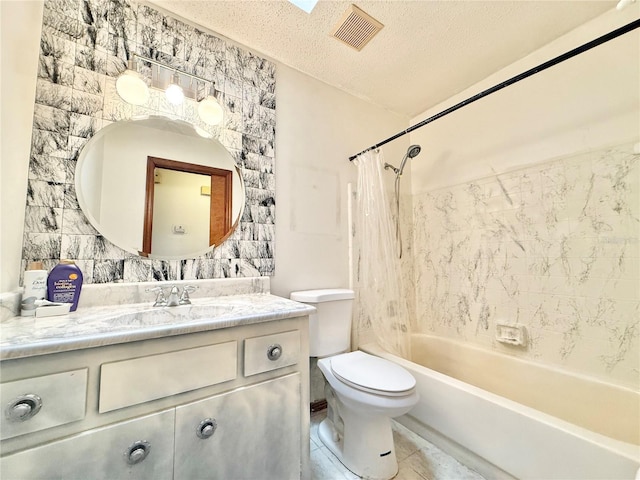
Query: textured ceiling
x,y
427,51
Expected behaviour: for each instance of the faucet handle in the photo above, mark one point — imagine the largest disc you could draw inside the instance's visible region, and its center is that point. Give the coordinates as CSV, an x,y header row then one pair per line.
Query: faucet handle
x,y
184,298
161,300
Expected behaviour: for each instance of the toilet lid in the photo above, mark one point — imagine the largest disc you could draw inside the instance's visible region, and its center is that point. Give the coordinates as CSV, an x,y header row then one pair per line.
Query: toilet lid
x,y
372,374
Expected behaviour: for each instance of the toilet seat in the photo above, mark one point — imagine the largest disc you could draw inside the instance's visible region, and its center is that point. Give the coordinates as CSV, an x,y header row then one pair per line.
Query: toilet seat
x,y
372,374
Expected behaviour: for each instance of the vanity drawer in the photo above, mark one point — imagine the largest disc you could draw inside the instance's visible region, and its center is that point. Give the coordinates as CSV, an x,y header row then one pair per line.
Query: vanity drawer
x,y
269,352
136,449
139,380
37,403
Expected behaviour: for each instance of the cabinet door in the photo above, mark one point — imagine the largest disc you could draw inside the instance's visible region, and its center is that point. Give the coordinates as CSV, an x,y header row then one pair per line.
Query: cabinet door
x,y
136,449
250,433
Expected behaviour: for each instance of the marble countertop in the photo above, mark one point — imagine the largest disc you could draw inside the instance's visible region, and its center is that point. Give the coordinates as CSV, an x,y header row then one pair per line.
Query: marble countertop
x,y
107,325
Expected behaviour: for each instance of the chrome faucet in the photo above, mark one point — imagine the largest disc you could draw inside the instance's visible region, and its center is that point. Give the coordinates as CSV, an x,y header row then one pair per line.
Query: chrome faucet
x,y
184,298
175,297
161,300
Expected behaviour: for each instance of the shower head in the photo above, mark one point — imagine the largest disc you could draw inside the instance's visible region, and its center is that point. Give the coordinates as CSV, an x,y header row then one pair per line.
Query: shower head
x,y
412,152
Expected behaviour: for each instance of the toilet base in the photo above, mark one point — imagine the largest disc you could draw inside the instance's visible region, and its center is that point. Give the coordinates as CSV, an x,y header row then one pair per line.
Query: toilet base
x,y
367,447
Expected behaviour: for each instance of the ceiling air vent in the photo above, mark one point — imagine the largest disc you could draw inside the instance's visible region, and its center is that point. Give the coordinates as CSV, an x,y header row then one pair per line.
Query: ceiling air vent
x,y
356,28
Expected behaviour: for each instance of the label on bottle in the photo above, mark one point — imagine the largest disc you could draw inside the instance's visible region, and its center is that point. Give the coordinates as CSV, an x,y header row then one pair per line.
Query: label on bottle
x,y
35,284
39,283
64,289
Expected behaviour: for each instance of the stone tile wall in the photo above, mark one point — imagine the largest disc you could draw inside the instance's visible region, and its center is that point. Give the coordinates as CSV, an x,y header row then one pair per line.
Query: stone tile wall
x,y
85,45
554,247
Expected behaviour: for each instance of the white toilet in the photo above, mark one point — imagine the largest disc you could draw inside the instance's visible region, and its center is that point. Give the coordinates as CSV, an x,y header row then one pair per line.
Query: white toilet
x,y
363,393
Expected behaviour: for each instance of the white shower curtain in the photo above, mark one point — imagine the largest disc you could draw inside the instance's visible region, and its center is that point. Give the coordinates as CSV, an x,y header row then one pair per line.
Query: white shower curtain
x,y
382,303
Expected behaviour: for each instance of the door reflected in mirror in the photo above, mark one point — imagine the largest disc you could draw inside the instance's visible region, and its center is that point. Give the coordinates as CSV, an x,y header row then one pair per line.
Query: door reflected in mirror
x,y
187,207
113,189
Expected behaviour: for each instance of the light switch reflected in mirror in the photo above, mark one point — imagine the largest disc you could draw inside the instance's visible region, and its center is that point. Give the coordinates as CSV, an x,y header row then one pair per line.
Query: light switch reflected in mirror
x,y
140,184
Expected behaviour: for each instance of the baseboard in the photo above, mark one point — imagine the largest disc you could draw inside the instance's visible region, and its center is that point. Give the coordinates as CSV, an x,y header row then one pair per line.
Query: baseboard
x,y
462,454
318,405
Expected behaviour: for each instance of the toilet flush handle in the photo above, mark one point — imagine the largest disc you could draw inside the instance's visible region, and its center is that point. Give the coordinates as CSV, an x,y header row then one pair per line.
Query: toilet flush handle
x,y
274,351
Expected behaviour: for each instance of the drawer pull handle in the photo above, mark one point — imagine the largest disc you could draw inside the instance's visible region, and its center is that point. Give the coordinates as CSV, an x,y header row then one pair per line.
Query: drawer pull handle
x,y
23,408
137,452
206,428
274,351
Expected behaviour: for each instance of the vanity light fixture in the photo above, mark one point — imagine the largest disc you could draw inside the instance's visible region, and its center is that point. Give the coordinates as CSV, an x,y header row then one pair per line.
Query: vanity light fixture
x,y
209,108
133,89
174,92
131,86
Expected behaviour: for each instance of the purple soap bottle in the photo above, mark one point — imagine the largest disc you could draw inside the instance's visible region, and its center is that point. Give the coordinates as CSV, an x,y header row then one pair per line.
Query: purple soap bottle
x,y
64,284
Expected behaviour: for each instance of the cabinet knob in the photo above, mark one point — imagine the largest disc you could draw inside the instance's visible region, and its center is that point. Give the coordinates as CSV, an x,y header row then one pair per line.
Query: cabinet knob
x,y
22,408
137,452
206,428
274,351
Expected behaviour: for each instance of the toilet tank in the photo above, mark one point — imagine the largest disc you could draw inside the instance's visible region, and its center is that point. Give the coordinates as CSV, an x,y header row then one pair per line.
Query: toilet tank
x,y
330,326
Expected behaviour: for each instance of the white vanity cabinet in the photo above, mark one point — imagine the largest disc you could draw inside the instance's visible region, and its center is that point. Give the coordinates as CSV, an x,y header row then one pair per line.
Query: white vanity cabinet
x,y
222,404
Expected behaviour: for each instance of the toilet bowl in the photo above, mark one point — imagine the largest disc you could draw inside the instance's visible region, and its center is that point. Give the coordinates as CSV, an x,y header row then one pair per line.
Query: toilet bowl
x,y
363,391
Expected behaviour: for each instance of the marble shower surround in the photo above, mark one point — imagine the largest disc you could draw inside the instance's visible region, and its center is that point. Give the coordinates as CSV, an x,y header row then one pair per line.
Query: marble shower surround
x,y
84,46
554,247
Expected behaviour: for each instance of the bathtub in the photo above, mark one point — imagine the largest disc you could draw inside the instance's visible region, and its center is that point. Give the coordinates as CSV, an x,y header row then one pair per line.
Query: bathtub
x,y
507,417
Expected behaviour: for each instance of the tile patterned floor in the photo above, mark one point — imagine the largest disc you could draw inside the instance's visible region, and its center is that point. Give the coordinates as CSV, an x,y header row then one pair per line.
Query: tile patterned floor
x,y
417,458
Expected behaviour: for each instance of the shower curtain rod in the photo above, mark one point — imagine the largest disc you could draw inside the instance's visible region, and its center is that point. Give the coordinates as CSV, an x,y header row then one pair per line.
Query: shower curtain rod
x,y
543,66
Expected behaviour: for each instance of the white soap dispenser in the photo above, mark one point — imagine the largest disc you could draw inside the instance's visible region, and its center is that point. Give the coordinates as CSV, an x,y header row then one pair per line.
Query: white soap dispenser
x,y
35,288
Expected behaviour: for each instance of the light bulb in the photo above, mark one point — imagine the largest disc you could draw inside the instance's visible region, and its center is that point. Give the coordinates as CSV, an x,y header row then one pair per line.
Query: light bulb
x,y
174,92
131,87
209,109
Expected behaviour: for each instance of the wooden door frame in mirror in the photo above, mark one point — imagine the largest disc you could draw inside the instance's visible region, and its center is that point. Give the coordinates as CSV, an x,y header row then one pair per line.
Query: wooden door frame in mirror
x,y
220,200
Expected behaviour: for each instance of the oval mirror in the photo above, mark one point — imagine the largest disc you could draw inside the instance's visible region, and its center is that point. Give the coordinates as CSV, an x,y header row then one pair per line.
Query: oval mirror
x,y
158,188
